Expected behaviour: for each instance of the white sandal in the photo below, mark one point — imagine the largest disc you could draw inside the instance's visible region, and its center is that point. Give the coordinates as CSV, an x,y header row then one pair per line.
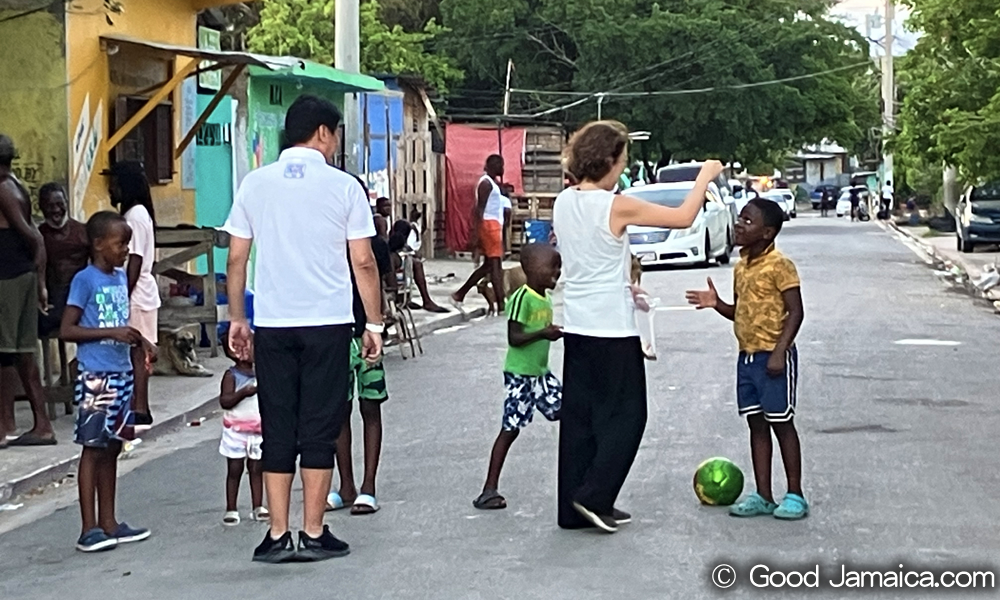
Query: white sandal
x,y
260,514
231,518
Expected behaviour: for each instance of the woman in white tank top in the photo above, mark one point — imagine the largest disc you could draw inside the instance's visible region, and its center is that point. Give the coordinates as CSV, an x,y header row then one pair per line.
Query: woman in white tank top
x,y
603,414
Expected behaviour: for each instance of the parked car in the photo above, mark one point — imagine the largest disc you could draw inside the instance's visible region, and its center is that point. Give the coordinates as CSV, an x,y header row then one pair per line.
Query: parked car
x,y
816,195
977,216
709,237
785,198
844,202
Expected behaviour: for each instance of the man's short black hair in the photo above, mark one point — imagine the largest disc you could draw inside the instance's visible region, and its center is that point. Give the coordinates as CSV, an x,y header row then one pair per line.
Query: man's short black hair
x,y
99,225
494,162
306,115
7,151
774,216
50,188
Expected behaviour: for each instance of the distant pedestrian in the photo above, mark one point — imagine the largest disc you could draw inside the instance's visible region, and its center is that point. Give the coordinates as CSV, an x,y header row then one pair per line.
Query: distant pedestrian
x,y
97,320
303,218
767,314
529,383
22,295
486,233
888,195
603,413
824,202
855,197
241,436
130,194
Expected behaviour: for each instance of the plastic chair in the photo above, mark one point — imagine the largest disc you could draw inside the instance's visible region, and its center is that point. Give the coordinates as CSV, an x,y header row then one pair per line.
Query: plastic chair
x,y
399,305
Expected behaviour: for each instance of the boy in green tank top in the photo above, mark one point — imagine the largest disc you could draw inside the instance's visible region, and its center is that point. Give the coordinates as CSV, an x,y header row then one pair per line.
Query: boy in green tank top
x,y
527,378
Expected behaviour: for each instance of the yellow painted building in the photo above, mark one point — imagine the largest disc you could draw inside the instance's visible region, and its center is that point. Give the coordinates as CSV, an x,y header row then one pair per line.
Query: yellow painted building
x,y
74,77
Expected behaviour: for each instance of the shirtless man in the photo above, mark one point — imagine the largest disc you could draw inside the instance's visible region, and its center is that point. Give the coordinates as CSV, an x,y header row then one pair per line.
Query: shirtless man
x,y
22,294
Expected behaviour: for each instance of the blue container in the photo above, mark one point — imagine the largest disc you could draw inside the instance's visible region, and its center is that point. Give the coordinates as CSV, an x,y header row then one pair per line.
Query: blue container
x,y
537,232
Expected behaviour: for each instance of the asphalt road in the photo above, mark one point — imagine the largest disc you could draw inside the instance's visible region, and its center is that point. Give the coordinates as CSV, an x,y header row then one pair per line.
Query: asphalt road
x,y
897,441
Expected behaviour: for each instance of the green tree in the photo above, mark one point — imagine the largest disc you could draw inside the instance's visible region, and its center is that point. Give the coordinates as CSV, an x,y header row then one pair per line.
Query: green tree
x,y
305,28
677,46
950,88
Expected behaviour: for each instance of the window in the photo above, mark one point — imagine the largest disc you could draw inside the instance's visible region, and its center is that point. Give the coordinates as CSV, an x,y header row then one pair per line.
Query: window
x,y
151,142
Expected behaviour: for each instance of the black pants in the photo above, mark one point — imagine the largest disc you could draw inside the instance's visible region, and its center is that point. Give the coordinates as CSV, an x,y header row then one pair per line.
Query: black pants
x,y
602,420
302,390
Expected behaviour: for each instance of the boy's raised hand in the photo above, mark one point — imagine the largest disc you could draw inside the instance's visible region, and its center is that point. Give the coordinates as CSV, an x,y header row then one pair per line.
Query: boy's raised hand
x,y
703,299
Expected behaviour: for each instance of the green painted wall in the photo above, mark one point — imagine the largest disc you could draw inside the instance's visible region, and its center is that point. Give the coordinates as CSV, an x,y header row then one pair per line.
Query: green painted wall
x,y
214,173
266,114
33,94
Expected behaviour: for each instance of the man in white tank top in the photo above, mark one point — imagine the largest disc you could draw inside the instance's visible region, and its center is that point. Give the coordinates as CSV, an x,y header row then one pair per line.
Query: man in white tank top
x,y
487,232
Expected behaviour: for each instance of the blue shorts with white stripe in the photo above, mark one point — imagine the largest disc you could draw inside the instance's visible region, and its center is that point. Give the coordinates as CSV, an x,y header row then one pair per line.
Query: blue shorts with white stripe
x,y
759,392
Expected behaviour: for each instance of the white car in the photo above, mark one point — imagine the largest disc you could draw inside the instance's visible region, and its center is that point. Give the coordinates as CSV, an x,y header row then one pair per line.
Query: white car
x,y
844,202
785,198
709,237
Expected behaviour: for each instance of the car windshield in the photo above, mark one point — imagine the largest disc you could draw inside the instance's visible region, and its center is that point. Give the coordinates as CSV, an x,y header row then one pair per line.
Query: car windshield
x,y
672,198
988,192
677,174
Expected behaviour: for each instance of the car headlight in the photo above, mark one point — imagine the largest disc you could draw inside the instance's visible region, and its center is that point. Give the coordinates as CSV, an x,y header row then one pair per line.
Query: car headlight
x,y
652,237
679,233
974,218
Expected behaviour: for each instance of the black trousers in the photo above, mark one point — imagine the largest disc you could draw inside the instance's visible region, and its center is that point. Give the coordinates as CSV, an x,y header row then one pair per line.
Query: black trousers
x,y
302,375
602,420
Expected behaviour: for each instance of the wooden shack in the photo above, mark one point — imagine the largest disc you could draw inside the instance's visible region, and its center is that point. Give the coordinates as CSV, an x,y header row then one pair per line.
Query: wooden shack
x,y
542,179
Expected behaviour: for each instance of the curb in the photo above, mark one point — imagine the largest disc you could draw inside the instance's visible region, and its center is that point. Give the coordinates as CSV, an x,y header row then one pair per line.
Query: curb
x,y
958,274
59,470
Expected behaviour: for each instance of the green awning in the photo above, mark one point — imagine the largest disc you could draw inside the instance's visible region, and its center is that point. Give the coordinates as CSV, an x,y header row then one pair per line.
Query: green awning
x,y
321,75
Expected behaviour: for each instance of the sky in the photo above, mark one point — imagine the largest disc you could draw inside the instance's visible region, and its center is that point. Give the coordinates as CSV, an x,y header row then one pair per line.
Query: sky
x,y
855,11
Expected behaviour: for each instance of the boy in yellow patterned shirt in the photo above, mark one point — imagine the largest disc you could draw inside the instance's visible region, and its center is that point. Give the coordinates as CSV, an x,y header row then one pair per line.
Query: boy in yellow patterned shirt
x,y
767,314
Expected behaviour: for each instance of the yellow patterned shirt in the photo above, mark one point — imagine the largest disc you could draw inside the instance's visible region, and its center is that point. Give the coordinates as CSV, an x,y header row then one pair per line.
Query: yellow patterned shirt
x,y
760,307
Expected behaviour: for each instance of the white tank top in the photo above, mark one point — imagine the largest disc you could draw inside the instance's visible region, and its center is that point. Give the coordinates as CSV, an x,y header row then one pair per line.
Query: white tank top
x,y
596,266
494,204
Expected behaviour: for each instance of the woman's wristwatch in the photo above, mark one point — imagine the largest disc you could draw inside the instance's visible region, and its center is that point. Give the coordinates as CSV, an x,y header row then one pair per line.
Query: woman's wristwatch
x,y
378,328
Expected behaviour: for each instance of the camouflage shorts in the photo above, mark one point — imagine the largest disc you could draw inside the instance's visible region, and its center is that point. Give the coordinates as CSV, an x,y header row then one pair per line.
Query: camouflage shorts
x,y
365,381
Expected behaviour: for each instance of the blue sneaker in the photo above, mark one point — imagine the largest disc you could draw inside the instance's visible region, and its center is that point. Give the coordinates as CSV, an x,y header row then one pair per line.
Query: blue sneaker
x,y
753,505
793,508
96,540
125,534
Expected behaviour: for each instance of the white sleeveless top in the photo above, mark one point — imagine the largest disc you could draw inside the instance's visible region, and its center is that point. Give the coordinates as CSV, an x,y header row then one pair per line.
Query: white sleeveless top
x,y
494,204
596,266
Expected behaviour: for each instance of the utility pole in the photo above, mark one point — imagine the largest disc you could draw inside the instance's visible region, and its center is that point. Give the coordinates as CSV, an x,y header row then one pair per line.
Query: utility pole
x,y
888,94
347,57
506,89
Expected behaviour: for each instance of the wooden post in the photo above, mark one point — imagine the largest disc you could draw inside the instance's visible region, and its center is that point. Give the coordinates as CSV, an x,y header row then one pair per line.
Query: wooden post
x,y
150,104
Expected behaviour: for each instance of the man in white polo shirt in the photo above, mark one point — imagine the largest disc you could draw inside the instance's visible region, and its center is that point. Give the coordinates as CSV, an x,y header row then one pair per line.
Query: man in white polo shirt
x,y
303,216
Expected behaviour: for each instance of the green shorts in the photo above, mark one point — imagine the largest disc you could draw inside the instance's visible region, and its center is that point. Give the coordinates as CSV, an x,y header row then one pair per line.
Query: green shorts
x,y
366,381
19,314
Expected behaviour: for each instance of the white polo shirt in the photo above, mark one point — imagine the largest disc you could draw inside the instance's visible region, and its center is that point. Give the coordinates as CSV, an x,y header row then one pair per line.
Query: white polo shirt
x,y
300,214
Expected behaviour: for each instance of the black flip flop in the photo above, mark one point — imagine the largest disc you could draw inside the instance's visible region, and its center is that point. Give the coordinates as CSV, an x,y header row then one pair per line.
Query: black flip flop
x,y
32,440
490,500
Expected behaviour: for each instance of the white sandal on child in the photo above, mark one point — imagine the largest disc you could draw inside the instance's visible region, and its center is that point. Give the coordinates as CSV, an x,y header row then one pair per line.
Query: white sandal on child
x,y
231,519
260,514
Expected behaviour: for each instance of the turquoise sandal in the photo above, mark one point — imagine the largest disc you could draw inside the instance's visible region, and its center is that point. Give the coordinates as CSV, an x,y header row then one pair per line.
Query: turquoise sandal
x,y
335,502
793,508
753,505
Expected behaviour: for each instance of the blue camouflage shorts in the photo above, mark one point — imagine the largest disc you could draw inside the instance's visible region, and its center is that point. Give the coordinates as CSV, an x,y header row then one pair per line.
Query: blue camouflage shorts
x,y
525,393
103,409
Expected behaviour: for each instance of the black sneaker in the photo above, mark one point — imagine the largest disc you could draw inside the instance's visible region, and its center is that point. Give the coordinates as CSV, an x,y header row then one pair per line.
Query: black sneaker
x,y
142,418
602,522
275,551
322,548
621,517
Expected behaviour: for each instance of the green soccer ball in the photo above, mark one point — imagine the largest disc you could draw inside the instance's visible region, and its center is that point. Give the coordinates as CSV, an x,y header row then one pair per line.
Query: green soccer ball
x,y
718,482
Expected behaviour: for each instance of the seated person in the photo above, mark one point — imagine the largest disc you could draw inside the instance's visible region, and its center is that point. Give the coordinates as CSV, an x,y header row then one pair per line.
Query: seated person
x,y
67,252
411,238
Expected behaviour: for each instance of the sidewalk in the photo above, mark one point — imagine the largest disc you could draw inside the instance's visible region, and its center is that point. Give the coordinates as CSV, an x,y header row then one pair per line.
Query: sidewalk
x,y
178,401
